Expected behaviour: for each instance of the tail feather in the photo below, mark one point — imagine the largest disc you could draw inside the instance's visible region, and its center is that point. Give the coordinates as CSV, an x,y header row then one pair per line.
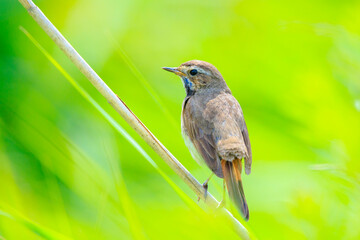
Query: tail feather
x,y
232,176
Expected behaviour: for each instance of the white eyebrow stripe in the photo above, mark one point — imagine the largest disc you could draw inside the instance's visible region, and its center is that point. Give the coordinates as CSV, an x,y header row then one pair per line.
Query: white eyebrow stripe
x,y
200,70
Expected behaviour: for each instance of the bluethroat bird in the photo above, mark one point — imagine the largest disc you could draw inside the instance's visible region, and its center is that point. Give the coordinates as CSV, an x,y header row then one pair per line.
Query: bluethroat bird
x,y
214,128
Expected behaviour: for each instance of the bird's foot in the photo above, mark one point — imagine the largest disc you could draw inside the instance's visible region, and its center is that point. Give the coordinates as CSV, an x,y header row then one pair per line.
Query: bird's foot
x,y
205,186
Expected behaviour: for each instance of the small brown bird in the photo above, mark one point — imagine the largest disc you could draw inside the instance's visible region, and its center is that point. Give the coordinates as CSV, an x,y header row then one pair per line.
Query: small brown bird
x,y
214,128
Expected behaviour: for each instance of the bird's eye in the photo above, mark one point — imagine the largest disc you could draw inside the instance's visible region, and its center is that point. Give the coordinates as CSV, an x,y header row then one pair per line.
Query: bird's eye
x,y
193,72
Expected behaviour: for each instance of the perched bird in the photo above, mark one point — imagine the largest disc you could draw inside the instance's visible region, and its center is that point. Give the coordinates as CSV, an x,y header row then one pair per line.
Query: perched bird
x,y
214,128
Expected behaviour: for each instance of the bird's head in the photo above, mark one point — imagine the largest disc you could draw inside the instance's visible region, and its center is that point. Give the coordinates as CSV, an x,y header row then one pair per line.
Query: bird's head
x,y
197,75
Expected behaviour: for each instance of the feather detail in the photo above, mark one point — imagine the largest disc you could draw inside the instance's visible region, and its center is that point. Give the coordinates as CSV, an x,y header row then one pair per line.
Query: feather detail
x,y
232,176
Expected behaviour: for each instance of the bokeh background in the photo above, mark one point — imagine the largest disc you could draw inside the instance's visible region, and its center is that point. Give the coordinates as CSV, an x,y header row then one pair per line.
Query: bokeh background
x,y
294,66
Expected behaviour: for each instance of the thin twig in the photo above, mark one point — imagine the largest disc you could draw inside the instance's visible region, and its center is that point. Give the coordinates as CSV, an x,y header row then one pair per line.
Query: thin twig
x,y
126,113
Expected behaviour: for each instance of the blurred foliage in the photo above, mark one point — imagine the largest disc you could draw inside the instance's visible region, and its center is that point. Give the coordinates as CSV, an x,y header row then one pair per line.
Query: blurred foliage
x,y
293,66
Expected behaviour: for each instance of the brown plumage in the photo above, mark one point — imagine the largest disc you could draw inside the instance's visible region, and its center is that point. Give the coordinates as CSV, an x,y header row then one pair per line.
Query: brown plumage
x,y
213,126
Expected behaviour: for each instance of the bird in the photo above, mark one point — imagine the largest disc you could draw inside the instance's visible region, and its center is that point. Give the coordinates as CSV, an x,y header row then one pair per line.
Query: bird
x,y
214,129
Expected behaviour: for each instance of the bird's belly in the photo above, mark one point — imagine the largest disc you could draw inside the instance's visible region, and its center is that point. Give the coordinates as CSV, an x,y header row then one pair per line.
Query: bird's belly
x,y
194,153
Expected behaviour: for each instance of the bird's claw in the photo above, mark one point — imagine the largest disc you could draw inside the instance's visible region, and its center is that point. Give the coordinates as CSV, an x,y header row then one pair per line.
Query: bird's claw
x,y
205,186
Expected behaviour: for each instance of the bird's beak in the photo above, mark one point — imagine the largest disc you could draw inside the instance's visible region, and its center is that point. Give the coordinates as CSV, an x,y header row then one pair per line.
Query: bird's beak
x,y
174,70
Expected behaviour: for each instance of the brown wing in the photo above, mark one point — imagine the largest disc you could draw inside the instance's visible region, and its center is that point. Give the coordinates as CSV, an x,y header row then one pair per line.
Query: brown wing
x,y
200,134
233,130
237,113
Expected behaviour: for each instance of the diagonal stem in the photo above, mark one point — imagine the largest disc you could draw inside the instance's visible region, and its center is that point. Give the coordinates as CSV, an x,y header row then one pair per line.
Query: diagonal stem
x,y
126,113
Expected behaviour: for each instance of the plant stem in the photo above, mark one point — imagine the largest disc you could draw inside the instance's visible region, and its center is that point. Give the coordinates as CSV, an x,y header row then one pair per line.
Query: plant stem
x,y
127,114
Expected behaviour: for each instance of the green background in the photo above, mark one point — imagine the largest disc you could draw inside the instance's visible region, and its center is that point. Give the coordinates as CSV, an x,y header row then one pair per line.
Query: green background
x,y
294,66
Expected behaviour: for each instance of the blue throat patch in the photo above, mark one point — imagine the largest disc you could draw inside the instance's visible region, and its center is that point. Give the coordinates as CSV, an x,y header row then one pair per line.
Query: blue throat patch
x,y
189,86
